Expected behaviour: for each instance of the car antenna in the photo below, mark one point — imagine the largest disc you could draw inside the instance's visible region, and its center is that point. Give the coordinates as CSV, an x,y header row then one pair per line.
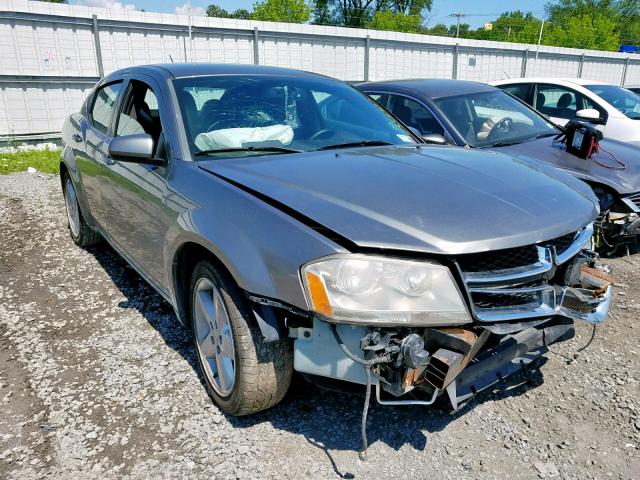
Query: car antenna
x,y
507,75
171,58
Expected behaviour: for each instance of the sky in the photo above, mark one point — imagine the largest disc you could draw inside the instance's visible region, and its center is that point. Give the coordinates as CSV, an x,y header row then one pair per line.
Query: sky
x,y
477,12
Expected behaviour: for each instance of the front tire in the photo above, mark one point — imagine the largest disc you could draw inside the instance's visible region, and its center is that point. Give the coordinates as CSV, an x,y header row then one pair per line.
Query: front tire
x,y
81,233
244,374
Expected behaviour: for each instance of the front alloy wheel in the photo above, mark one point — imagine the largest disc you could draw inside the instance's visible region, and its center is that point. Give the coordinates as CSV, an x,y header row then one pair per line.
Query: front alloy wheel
x,y
243,373
214,338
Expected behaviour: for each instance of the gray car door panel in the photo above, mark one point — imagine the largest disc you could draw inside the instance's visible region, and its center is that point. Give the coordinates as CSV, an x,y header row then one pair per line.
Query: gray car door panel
x,y
133,200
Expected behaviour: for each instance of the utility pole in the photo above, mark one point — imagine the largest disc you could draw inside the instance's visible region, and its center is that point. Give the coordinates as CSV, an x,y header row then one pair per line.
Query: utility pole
x,y
458,15
535,63
190,31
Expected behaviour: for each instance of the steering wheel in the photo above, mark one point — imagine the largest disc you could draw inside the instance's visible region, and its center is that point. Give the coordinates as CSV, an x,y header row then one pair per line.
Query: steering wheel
x,y
503,125
324,133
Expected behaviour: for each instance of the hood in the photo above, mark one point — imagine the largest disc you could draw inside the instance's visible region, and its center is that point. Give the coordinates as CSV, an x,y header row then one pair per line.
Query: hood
x,y
622,181
431,199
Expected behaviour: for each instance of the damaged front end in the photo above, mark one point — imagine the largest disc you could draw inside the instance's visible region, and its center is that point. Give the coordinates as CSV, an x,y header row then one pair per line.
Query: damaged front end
x,y
518,301
618,226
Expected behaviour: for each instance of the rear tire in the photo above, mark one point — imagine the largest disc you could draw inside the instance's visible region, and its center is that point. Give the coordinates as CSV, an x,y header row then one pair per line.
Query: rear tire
x,y
243,373
81,233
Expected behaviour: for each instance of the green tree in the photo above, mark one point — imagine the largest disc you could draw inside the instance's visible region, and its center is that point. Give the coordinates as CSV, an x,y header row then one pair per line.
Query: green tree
x,y
293,11
354,13
512,27
214,10
628,12
242,13
322,13
411,7
592,24
589,31
440,29
560,11
397,22
464,32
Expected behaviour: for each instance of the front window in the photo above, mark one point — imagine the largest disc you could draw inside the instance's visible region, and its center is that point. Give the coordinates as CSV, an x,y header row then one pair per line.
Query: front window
x,y
234,115
622,99
103,105
486,119
413,114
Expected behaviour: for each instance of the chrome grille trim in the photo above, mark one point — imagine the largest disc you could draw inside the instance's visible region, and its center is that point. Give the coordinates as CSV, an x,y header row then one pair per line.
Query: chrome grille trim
x,y
512,275
532,295
581,240
632,201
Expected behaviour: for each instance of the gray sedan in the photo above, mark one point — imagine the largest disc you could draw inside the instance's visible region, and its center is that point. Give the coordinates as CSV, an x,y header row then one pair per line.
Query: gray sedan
x,y
475,115
294,224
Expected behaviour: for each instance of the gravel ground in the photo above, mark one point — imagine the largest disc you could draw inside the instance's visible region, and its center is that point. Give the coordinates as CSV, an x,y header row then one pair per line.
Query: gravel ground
x,y
97,378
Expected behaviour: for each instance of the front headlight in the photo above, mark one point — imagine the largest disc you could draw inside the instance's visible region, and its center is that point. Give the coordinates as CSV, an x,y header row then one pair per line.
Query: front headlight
x,y
383,291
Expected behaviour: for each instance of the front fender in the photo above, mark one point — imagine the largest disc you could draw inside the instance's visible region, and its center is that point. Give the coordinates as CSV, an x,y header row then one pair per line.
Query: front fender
x,y
262,247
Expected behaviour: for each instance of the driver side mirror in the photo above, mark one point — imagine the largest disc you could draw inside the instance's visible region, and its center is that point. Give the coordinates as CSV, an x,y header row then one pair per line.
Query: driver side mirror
x,y
590,115
137,148
435,139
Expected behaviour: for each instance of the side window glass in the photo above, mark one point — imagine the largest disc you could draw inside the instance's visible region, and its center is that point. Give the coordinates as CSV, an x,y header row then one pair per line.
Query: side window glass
x,y
520,90
140,112
103,106
414,115
556,101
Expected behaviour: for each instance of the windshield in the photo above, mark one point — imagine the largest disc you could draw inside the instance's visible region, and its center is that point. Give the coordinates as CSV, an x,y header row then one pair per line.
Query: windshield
x,y
235,115
486,119
622,99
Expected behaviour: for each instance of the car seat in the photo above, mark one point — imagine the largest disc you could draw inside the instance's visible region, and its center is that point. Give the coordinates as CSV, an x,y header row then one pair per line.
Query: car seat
x,y
402,112
563,109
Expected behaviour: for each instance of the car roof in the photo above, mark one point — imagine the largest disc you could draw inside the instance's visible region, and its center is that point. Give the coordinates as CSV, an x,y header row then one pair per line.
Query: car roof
x,y
182,70
432,88
557,81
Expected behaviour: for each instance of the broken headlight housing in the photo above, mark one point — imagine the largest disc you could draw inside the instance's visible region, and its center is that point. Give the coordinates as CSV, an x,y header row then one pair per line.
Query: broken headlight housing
x,y
359,289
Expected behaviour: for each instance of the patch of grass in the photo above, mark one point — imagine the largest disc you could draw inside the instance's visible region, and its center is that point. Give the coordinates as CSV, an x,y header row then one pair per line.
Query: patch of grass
x,y
46,161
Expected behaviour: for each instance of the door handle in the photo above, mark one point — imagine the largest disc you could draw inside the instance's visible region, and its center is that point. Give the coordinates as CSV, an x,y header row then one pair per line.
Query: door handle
x,y
77,137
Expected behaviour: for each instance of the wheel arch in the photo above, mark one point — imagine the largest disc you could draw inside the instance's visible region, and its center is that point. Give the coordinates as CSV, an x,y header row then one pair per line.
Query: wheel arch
x,y
185,259
269,314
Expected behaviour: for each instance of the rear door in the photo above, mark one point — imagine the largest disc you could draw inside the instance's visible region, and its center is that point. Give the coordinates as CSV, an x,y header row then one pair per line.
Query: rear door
x,y
133,194
93,157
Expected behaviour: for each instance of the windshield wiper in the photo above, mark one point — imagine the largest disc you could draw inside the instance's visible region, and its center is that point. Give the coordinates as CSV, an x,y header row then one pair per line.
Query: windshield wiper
x,y
546,134
362,143
247,149
501,144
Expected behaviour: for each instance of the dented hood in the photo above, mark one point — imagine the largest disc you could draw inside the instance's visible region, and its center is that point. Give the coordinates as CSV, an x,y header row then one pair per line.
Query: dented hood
x,y
429,199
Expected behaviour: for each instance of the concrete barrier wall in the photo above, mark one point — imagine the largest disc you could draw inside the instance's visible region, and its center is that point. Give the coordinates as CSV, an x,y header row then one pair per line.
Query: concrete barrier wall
x,y
54,53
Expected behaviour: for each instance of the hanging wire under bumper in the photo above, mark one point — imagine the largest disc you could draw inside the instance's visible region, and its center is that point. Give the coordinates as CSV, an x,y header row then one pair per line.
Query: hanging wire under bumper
x,y
405,402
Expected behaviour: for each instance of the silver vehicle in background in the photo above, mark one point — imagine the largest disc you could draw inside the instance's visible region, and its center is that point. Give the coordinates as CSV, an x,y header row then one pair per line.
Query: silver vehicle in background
x,y
293,224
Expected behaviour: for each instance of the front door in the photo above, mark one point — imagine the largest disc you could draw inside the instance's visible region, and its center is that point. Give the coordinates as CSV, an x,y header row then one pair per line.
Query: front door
x,y
133,194
561,104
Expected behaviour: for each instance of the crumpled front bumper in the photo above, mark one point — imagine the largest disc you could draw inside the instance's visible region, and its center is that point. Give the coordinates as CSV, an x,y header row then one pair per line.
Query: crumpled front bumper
x,y
599,306
511,354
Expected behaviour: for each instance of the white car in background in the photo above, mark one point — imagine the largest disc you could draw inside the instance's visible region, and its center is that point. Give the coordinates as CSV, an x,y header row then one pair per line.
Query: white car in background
x,y
614,109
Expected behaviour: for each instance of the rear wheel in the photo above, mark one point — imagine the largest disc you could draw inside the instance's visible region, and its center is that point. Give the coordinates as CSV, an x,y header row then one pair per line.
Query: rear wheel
x,y
81,233
243,374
